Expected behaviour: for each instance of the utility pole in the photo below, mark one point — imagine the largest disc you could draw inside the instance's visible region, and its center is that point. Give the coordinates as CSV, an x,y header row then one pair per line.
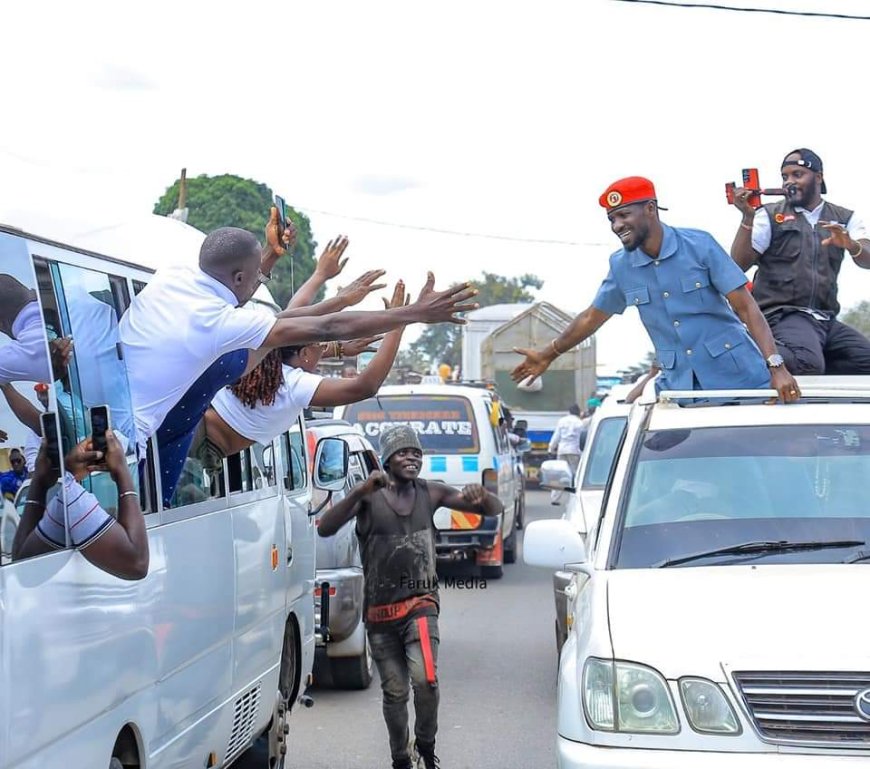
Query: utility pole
x,y
180,211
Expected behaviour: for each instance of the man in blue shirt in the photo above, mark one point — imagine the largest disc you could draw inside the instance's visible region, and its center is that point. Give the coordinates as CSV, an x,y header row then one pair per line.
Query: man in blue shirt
x,y
706,328
11,480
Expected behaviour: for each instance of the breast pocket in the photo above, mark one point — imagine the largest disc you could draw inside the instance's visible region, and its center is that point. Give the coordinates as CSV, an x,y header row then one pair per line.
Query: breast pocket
x,y
695,280
637,296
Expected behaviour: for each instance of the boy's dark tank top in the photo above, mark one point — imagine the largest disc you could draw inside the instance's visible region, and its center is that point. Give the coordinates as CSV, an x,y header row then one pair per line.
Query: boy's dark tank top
x,y
398,551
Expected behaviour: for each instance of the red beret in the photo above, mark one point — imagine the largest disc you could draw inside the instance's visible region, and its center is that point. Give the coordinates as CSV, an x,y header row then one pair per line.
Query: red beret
x,y
632,189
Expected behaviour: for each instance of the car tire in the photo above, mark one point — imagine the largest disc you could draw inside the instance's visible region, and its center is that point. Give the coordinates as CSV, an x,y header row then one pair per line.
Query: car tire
x,y
560,640
521,509
492,572
352,672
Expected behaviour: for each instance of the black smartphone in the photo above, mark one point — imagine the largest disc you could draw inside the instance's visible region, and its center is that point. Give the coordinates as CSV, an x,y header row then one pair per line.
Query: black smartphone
x,y
52,441
100,425
282,214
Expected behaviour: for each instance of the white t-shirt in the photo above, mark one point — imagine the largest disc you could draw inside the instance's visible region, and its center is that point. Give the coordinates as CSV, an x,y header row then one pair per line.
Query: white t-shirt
x,y
761,231
263,423
566,436
25,358
180,324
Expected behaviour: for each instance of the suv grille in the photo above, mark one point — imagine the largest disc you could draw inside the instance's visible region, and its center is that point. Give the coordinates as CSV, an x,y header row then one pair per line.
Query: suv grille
x,y
806,707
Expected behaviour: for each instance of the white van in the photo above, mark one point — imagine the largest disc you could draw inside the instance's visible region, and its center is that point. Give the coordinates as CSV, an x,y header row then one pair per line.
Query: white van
x,y
465,441
212,649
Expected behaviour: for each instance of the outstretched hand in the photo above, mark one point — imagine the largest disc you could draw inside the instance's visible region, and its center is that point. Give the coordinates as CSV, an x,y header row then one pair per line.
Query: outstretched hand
x,y
443,306
535,364
356,346
361,287
278,241
330,264
399,297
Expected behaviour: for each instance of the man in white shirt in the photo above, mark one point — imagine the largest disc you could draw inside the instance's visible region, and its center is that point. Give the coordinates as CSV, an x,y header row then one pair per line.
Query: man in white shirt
x,y
25,358
565,444
799,245
185,319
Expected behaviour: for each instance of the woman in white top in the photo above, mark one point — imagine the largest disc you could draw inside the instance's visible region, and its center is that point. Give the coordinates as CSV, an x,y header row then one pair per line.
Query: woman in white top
x,y
267,402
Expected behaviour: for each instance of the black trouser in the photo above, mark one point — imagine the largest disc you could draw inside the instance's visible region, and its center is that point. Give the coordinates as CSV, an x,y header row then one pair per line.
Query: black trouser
x,y
811,346
406,653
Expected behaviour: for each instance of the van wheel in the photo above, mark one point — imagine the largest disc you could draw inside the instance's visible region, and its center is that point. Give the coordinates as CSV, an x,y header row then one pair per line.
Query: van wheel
x,y
352,672
510,546
492,572
521,509
115,763
273,744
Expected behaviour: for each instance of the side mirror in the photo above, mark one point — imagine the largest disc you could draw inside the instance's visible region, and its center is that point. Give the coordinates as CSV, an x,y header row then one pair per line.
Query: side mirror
x,y
556,475
524,446
553,544
330,464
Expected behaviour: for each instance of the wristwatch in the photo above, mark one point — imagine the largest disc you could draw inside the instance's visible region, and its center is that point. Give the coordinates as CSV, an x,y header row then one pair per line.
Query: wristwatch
x,y
775,361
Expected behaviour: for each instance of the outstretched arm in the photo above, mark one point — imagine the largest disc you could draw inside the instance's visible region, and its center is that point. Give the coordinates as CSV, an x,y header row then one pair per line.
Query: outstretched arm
x,y
538,361
346,297
24,410
472,499
338,392
432,307
329,265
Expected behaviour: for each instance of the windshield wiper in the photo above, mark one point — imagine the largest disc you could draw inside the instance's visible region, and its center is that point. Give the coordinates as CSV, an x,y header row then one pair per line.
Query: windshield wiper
x,y
861,555
750,548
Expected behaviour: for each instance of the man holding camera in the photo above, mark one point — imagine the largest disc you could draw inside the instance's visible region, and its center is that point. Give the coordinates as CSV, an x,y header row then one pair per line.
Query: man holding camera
x,y
799,244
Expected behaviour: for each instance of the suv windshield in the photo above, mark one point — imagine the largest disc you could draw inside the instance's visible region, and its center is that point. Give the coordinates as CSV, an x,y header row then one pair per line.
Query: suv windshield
x,y
445,424
696,493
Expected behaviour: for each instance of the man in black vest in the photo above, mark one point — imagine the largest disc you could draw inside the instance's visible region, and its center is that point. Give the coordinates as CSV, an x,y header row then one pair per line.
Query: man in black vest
x,y
799,245
396,533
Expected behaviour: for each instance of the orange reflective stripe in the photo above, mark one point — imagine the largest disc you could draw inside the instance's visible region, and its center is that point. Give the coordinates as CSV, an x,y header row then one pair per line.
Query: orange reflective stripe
x,y
426,646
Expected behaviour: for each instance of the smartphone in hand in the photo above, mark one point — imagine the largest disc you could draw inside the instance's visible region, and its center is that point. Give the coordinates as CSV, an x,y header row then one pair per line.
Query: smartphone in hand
x,y
282,214
50,436
100,425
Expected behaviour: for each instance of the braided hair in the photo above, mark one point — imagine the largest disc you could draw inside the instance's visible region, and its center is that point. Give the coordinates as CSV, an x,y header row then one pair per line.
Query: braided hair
x,y
262,383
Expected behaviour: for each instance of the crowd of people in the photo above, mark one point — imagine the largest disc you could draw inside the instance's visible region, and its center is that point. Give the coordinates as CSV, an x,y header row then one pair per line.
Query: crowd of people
x,y
233,374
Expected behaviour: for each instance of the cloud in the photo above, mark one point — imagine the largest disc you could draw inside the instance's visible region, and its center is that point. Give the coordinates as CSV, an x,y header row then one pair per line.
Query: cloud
x,y
113,77
374,184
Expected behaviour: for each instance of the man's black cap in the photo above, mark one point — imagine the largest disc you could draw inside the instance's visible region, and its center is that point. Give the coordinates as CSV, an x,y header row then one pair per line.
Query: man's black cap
x,y
809,160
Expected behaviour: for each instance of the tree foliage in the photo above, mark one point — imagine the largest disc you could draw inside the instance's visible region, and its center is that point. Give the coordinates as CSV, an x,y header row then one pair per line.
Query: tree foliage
x,y
858,317
442,343
230,201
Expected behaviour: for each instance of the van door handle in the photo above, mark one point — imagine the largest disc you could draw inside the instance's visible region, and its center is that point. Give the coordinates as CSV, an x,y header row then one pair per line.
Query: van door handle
x,y
289,554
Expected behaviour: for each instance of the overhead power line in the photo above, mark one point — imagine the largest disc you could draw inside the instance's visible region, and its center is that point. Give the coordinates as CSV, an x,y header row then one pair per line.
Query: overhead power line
x,y
739,9
458,233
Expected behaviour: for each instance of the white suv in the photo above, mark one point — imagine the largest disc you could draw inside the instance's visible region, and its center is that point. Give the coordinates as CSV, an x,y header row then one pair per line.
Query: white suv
x,y
719,614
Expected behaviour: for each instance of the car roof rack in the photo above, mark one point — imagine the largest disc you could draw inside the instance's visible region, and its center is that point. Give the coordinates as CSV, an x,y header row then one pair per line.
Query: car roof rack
x,y
817,389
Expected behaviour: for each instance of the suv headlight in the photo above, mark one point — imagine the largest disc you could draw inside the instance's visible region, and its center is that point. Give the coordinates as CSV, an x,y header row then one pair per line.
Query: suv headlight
x,y
636,695
707,707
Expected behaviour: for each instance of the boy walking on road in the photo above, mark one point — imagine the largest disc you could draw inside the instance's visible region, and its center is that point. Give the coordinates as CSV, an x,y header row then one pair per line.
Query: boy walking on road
x,y
396,532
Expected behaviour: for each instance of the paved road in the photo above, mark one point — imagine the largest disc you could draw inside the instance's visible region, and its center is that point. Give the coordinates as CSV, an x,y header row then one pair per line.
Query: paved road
x,y
497,668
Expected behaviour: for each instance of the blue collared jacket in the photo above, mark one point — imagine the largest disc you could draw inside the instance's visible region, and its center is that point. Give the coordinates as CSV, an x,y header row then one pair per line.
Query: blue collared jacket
x,y
700,342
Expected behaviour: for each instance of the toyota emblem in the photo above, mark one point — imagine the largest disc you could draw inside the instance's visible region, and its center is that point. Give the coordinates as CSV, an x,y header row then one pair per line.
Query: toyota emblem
x,y
862,704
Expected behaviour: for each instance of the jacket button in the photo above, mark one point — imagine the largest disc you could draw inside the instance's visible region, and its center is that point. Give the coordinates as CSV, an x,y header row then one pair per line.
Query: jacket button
x,y
656,263
676,323
697,285
688,352
666,295
636,300
727,345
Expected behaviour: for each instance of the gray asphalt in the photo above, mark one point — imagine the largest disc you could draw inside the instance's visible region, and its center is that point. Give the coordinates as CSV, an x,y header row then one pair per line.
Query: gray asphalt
x,y
497,670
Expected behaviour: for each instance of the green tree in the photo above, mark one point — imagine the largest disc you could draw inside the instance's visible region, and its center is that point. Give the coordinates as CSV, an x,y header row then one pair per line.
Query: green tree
x,y
442,343
858,317
230,201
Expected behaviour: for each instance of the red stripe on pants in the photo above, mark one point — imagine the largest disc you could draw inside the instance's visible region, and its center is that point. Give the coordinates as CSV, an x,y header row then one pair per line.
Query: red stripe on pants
x,y
426,645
